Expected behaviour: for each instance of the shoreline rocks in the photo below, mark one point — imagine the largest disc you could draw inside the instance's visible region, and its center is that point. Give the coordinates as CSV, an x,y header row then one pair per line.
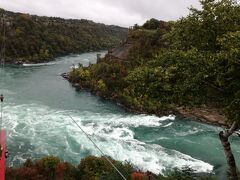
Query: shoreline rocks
x,y
204,114
65,76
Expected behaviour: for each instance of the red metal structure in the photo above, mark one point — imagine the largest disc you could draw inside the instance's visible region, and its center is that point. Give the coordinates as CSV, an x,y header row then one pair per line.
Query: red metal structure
x,y
2,132
2,160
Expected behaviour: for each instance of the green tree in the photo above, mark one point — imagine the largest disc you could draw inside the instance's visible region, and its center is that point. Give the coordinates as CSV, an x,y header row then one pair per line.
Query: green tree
x,y
152,24
201,28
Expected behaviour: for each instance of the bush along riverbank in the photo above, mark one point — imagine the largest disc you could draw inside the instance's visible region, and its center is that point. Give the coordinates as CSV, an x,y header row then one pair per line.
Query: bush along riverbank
x,y
190,66
90,168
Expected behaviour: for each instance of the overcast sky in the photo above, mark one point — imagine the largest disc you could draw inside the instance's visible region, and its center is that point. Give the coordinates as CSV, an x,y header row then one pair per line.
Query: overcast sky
x,y
118,12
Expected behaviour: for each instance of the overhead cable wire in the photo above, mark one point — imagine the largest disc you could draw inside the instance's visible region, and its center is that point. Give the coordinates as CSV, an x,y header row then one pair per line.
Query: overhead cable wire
x,y
95,145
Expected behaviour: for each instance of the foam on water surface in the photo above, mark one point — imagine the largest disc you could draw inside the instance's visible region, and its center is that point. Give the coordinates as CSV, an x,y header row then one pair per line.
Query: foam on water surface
x,y
47,131
39,64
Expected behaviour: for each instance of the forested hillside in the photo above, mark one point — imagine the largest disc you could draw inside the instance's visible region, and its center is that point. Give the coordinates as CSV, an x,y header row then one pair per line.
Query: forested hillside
x,y
31,38
191,62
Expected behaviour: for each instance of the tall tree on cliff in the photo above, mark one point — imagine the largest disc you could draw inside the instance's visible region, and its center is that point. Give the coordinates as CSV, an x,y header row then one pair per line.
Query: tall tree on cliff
x,y
230,53
215,32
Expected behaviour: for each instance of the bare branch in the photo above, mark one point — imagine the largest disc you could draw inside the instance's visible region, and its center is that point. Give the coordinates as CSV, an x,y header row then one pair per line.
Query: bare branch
x,y
233,128
237,133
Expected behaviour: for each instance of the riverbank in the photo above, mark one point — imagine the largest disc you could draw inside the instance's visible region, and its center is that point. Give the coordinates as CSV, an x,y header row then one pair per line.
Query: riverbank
x,y
90,167
206,114
22,61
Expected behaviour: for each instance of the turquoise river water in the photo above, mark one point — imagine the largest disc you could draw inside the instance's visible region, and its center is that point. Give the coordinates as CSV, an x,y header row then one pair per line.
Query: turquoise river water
x,y
35,116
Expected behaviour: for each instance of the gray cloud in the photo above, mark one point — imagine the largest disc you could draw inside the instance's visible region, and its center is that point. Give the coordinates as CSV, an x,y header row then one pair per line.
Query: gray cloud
x,y
118,12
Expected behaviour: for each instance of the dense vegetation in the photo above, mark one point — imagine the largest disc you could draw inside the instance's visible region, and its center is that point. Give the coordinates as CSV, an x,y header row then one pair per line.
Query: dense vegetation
x,y
35,39
193,62
90,168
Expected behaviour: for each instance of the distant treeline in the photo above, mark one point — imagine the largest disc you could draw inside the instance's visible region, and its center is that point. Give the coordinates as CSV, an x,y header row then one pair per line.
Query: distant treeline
x,y
31,38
